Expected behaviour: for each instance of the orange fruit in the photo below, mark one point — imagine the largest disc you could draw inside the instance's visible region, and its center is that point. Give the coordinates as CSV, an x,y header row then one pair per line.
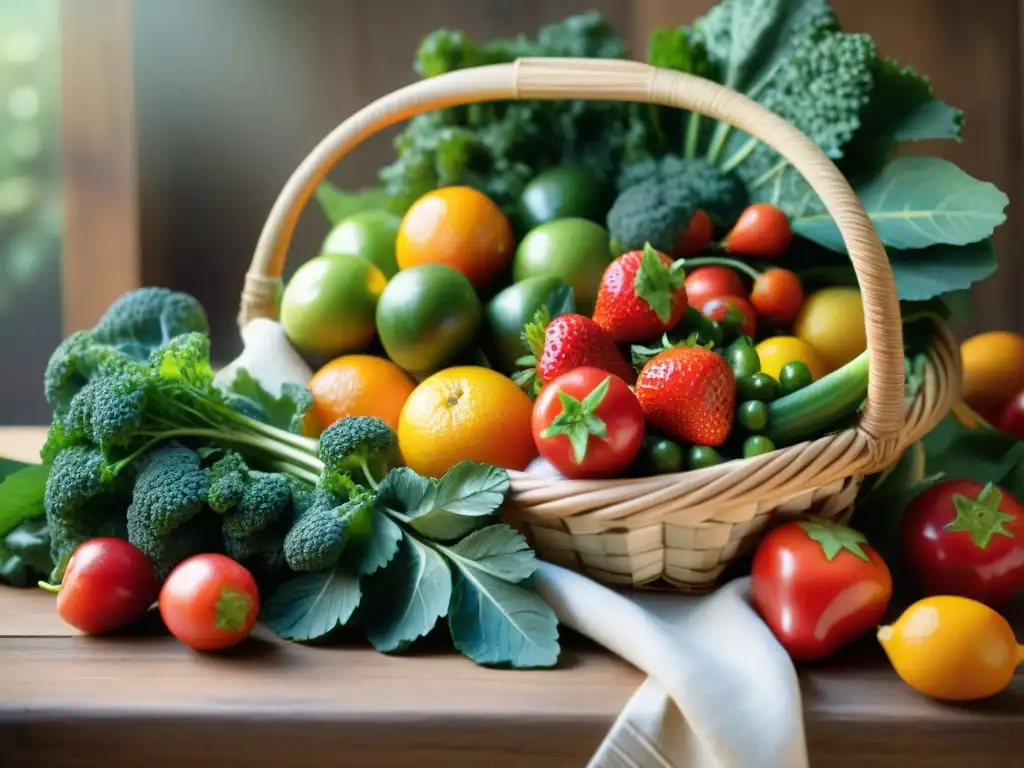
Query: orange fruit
x,y
466,412
457,226
359,385
993,370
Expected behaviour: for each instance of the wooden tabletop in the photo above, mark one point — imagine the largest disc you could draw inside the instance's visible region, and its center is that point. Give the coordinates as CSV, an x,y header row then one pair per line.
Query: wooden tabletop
x,y
144,699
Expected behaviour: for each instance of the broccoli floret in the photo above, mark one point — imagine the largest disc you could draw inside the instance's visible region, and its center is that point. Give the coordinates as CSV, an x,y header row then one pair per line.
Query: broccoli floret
x,y
170,490
362,447
81,501
195,536
227,482
142,320
319,535
664,196
267,496
263,549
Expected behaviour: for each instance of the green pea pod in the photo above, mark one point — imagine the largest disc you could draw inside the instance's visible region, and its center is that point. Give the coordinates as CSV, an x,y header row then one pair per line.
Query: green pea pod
x,y
810,411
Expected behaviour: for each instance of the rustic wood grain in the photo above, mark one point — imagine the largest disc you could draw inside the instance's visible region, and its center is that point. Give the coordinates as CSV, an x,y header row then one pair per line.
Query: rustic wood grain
x,y
101,238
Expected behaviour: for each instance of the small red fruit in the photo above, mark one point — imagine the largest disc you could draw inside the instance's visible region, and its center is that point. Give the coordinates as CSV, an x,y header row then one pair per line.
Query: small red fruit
x,y
733,311
761,230
777,296
689,393
108,583
587,423
705,283
210,602
697,235
640,297
1011,420
569,342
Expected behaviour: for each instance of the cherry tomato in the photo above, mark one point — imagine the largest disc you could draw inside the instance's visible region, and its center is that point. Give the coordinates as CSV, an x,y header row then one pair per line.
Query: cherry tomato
x,y
818,585
777,296
761,230
210,602
108,584
733,311
1011,420
960,537
696,236
588,423
706,283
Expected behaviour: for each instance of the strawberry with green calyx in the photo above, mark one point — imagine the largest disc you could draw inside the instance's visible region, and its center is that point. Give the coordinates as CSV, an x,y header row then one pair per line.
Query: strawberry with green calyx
x,y
777,294
689,393
640,354
642,295
567,342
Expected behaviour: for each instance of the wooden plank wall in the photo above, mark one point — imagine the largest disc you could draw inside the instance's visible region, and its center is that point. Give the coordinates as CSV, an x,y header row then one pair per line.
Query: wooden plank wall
x,y
231,95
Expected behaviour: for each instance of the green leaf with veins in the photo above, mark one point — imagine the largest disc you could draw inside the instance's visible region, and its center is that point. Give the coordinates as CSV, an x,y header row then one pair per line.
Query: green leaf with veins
x,y
929,272
981,518
285,411
21,496
578,420
834,538
657,284
312,605
405,600
371,548
500,550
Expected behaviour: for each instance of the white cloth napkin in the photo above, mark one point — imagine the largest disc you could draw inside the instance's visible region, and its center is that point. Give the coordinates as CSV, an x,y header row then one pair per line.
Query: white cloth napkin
x,y
721,692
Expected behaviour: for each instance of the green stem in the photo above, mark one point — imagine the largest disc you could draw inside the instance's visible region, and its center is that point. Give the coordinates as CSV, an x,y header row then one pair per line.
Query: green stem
x,y
692,135
719,261
718,142
295,471
740,155
45,585
768,175
368,474
305,444
293,455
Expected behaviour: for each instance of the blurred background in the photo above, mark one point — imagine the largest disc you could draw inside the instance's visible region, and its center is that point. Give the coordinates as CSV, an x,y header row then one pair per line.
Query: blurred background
x,y
144,142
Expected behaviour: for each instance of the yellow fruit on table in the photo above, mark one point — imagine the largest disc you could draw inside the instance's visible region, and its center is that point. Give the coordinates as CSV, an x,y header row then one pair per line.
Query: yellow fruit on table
x,y
466,412
459,227
952,648
359,385
776,351
993,369
832,321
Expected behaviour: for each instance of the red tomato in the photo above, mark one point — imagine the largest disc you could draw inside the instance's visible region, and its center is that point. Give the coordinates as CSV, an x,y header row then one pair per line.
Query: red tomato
x,y
1011,420
734,311
210,602
706,283
108,584
588,423
818,585
963,538
777,296
696,236
761,230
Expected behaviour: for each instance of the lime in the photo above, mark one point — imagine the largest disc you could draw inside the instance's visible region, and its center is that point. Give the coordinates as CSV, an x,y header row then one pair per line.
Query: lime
x,y
573,249
562,192
328,306
511,310
369,235
426,316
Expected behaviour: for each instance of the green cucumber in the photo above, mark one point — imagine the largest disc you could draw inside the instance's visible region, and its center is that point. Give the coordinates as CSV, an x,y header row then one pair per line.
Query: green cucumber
x,y
809,412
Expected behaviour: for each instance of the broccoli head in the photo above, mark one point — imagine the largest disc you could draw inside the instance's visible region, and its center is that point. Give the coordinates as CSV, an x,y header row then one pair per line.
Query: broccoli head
x,y
170,490
361,447
80,502
228,476
661,197
319,535
142,320
193,537
266,497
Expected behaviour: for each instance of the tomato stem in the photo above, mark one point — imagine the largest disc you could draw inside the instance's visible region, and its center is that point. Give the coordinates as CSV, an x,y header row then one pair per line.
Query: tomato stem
x,y
720,261
54,588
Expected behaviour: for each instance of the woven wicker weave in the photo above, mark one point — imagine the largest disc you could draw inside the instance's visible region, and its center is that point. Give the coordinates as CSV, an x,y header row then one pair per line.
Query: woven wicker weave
x,y
677,530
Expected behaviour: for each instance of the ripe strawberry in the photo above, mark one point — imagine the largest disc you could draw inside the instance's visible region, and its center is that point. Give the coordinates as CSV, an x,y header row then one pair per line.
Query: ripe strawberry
x,y
689,393
566,343
641,296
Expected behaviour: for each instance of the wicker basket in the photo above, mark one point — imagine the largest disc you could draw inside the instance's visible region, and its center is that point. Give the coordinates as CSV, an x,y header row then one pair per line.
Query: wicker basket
x,y
681,530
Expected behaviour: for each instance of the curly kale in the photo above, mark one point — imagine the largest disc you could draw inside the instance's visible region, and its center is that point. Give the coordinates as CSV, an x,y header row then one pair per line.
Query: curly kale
x,y
662,196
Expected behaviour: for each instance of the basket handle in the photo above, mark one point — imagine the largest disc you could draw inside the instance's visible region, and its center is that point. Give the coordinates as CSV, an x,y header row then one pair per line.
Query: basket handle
x,y
614,79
